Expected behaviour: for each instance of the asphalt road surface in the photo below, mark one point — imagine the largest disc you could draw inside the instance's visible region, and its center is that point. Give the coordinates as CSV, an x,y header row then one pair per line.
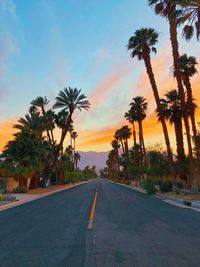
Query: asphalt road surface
x,y
130,229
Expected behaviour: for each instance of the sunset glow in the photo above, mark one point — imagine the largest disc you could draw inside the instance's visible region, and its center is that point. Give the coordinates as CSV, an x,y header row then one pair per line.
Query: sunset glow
x,y
34,63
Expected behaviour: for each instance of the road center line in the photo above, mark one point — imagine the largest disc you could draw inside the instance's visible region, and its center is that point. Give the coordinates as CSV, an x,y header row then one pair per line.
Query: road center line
x,y
91,219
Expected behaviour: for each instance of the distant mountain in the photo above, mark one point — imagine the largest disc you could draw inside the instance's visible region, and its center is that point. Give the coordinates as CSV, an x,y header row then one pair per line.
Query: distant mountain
x,y
93,158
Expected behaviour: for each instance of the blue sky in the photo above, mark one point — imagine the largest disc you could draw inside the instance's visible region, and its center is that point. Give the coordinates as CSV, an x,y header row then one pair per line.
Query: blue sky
x,y
46,45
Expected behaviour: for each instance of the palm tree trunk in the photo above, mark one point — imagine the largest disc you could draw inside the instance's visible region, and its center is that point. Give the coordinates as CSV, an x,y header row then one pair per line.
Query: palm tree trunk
x,y
142,142
122,144
147,60
74,154
126,148
180,149
48,135
188,86
175,53
52,137
134,134
117,151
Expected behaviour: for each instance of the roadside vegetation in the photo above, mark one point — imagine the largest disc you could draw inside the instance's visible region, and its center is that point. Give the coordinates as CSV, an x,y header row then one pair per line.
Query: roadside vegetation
x,y
35,157
157,167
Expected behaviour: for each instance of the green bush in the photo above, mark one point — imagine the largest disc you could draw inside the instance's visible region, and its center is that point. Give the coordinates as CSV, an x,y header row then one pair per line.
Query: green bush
x,y
157,182
72,177
166,186
179,185
20,189
149,187
1,197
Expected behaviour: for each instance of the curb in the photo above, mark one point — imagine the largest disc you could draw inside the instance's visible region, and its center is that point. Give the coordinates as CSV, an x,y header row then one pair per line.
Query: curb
x,y
18,203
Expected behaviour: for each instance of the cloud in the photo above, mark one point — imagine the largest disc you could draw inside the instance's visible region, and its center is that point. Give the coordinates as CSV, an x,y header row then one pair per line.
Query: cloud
x,y
7,48
109,84
8,7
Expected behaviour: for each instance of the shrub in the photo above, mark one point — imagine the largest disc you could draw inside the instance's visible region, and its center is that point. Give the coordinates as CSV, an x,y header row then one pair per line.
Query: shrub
x,y
166,186
149,187
72,177
20,189
127,182
157,182
1,197
179,185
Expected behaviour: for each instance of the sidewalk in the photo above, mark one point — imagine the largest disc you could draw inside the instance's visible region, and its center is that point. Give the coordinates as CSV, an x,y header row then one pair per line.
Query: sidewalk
x,y
36,194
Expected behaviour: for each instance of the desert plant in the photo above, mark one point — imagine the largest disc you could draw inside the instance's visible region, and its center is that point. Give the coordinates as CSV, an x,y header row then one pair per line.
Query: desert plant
x,y
166,186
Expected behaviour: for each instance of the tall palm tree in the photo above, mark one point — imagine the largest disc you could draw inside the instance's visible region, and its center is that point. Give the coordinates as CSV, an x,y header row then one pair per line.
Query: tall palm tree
x,y
190,16
142,44
123,134
74,135
77,158
130,117
116,146
112,163
139,107
188,70
70,99
117,137
173,113
168,9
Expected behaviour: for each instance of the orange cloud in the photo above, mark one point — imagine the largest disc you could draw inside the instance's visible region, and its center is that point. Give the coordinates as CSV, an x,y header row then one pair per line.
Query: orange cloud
x,y
99,93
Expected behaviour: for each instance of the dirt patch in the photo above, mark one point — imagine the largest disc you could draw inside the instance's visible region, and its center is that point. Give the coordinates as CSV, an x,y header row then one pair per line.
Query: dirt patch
x,y
187,197
43,191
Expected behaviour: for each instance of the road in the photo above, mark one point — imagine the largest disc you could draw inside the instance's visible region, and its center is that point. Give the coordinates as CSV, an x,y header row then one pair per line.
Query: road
x,y
130,229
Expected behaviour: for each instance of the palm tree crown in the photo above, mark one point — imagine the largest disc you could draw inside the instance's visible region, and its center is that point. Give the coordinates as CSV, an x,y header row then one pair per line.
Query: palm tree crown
x,y
139,107
143,42
189,14
187,65
71,99
40,102
171,106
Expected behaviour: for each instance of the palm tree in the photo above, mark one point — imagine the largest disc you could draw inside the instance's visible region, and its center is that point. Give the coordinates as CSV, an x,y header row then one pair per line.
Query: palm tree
x,y
70,99
188,70
173,113
111,163
77,158
168,9
74,135
42,102
32,122
130,117
123,134
139,107
142,44
190,15
116,146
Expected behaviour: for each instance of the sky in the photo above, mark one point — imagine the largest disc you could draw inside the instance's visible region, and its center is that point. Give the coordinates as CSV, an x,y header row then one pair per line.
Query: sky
x,y
46,45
